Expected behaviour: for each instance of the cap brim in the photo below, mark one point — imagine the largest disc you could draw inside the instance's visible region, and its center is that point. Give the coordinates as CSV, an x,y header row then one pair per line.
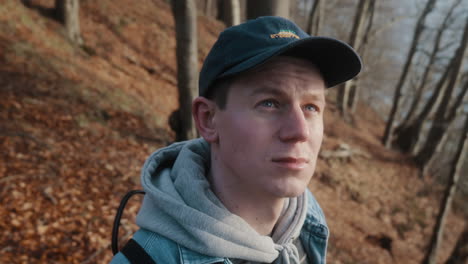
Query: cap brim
x,y
336,60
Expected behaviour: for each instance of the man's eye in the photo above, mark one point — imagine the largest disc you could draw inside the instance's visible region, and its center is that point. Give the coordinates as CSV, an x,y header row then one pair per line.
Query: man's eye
x,y
312,108
269,103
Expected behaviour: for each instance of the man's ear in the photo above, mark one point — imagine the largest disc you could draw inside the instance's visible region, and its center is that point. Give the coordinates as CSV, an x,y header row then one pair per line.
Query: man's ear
x,y
203,111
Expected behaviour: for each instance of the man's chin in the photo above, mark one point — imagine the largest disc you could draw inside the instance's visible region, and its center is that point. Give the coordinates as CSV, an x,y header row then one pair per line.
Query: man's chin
x,y
291,192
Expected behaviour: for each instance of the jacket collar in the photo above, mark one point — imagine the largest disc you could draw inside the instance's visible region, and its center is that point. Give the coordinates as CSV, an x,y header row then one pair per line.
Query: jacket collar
x,y
190,257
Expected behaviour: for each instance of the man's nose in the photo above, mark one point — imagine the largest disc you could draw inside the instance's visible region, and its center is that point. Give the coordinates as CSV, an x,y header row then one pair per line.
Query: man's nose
x,y
294,126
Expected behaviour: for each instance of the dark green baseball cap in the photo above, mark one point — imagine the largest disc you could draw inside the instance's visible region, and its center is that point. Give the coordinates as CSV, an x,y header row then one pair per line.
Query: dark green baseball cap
x,y
245,46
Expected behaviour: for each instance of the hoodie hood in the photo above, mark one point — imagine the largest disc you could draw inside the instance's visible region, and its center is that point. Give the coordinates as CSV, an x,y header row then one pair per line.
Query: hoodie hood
x,y
180,206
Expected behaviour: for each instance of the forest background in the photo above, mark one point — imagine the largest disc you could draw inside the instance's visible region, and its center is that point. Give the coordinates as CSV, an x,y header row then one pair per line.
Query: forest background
x,y
88,89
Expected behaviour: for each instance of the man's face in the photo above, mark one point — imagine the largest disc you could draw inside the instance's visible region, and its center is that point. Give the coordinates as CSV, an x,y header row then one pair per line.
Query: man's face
x,y
270,132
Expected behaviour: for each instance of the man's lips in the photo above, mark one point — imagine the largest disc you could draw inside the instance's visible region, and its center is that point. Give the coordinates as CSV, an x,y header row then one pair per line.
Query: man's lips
x,y
291,162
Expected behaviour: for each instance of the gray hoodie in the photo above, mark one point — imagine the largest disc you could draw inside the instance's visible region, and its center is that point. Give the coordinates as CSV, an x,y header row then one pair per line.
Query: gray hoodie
x,y
180,206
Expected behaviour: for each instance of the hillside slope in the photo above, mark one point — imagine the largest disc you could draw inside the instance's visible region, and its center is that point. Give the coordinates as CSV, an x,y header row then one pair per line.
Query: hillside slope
x,y
76,124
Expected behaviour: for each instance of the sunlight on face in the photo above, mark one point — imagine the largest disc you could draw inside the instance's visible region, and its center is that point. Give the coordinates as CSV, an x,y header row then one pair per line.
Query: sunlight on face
x,y
271,131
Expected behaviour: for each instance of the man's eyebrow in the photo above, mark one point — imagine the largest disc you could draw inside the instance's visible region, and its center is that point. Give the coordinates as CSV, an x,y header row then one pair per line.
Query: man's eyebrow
x,y
315,96
275,91
267,90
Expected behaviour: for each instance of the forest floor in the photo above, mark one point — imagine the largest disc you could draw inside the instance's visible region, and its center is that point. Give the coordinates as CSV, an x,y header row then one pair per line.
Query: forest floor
x,y
76,124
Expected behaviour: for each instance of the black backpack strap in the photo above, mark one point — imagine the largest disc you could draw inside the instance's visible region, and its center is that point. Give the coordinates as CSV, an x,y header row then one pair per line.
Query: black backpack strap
x,y
132,250
115,228
136,254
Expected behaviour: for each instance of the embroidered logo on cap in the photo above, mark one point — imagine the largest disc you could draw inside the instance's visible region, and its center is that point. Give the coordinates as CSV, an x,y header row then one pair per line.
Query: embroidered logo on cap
x,y
285,34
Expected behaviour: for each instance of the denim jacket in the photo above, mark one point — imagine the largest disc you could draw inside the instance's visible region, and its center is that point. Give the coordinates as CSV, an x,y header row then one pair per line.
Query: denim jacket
x,y
314,237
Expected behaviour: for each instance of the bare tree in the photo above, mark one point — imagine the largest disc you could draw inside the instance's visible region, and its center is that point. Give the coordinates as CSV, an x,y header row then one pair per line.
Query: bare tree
x,y
408,137
398,89
229,12
430,64
257,8
26,3
354,89
445,112
362,16
408,132
460,251
431,255
185,13
316,17
208,7
439,128
67,12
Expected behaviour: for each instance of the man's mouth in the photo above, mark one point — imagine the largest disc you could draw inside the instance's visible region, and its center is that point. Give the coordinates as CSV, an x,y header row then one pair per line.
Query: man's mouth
x,y
291,162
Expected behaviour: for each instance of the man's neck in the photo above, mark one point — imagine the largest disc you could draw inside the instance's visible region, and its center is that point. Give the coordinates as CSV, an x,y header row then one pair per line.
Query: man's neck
x,y
260,211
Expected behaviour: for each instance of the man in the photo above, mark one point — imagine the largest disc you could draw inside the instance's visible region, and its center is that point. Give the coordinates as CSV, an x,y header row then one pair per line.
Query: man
x,y
239,194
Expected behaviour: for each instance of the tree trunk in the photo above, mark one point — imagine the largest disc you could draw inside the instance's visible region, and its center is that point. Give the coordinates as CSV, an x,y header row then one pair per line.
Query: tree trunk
x,y
26,3
229,12
67,12
441,119
431,255
399,87
60,10
438,152
353,95
209,8
355,39
257,8
354,89
460,252
315,18
410,118
342,97
407,136
434,139
185,14
458,99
